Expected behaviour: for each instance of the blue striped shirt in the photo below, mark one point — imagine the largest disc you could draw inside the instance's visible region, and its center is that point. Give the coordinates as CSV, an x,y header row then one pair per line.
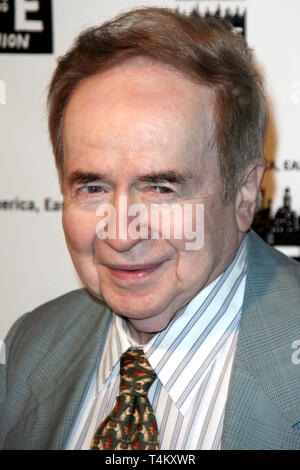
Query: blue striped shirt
x,y
192,359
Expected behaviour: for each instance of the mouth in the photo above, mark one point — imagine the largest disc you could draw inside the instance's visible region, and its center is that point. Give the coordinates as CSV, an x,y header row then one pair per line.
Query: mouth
x,y
133,272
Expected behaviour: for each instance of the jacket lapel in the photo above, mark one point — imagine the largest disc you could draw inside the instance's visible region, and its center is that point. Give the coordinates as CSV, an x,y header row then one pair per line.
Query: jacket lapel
x,y
263,402
60,381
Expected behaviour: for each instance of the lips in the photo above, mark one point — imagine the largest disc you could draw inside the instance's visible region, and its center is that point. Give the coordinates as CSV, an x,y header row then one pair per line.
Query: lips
x,y
133,272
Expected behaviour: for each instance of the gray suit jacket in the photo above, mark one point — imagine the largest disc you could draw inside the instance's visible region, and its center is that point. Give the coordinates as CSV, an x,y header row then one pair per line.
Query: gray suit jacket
x,y
53,351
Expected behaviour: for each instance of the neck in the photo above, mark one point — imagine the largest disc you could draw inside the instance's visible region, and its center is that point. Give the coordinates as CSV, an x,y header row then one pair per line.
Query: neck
x,y
140,336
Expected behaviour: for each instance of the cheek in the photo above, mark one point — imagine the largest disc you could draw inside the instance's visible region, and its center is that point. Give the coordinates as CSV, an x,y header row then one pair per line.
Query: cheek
x,y
80,230
190,229
221,235
199,256
182,226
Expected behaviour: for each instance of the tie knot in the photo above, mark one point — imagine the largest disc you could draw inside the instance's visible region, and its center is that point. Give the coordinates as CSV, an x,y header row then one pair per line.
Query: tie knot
x,y
137,375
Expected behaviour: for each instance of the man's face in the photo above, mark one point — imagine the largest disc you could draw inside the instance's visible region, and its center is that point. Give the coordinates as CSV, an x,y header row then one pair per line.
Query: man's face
x,y
143,132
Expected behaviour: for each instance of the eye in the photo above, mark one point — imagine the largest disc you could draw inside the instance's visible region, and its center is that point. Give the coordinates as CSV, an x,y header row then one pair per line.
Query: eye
x,y
92,189
161,189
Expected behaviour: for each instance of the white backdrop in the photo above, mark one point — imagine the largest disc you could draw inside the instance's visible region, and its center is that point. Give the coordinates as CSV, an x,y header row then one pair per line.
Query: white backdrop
x,y
35,264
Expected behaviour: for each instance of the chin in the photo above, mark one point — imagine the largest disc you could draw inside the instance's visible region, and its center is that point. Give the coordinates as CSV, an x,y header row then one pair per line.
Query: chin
x,y
141,308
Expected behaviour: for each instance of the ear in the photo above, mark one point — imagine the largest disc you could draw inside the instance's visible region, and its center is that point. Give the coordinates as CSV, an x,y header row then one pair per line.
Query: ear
x,y
247,195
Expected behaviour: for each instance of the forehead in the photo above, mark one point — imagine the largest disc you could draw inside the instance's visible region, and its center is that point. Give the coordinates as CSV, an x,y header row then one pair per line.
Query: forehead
x,y
138,107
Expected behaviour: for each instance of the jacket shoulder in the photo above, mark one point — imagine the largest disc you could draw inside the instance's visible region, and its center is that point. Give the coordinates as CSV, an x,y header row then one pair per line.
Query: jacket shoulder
x,y
46,342
38,329
262,254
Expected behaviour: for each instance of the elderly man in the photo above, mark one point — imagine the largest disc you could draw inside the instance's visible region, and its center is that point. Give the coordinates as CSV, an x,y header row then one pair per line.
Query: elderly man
x,y
172,345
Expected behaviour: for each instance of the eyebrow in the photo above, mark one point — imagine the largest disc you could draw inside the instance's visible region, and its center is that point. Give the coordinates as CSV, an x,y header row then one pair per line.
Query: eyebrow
x,y
170,176
165,177
80,177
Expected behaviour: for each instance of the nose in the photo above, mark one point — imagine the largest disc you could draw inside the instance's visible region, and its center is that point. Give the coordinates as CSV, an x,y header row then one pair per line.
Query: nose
x,y
118,229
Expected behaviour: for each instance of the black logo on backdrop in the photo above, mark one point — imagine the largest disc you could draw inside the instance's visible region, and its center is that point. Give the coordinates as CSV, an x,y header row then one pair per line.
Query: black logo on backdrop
x,y
234,16
283,228
25,26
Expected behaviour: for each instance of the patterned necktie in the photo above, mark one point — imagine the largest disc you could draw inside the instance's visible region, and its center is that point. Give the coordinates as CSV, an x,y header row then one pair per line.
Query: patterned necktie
x,y
131,425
